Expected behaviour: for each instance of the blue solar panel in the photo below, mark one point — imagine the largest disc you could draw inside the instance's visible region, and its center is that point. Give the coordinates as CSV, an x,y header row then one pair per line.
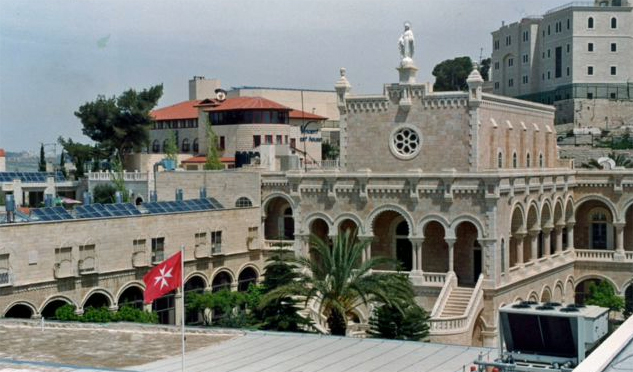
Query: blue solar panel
x,y
182,206
50,214
31,177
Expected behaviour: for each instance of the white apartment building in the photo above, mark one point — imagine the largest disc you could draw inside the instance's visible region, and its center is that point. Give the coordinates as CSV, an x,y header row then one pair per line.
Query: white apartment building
x,y
576,56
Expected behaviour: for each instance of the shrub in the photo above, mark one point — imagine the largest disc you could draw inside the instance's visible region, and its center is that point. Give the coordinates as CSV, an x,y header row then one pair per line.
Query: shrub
x,y
104,315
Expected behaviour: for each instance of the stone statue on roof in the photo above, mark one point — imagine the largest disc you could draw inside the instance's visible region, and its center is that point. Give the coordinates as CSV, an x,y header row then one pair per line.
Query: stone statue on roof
x,y
406,44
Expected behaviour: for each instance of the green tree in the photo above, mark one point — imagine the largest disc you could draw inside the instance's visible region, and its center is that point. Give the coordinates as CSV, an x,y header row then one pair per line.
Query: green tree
x,y
339,282
104,193
118,180
171,147
42,164
484,68
409,324
280,314
604,295
621,160
329,151
229,308
62,164
451,74
213,157
78,153
120,123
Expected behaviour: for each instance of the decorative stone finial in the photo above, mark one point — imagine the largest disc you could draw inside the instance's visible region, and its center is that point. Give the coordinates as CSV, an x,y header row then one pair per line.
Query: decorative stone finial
x,y
475,76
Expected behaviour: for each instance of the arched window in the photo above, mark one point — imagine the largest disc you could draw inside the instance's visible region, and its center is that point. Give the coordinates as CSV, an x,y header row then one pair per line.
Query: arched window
x,y
195,146
514,160
243,202
500,160
155,146
527,160
590,22
614,22
541,162
599,220
185,145
165,145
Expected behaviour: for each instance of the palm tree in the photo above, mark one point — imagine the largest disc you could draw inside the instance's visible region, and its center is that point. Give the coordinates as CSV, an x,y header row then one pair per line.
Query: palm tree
x,y
339,282
621,160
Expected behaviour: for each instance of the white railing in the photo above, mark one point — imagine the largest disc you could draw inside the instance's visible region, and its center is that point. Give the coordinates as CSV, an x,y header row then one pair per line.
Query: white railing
x,y
594,254
322,164
449,284
459,324
278,244
109,176
434,279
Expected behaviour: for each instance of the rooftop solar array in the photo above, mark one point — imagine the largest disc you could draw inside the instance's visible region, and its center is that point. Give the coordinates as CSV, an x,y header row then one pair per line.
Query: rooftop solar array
x,y
106,210
50,214
182,206
31,177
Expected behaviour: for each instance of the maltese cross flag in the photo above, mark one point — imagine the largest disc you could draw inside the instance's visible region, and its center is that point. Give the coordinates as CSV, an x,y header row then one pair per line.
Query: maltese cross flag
x,y
163,278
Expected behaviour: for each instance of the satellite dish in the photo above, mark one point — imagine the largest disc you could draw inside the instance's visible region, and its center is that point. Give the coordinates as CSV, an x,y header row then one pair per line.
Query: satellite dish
x,y
220,94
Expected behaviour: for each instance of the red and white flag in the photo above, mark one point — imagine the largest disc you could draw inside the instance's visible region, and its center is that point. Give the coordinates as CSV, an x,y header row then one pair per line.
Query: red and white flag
x,y
164,278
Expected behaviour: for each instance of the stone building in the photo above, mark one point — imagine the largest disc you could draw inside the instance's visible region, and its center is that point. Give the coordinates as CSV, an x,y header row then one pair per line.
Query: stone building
x,y
576,57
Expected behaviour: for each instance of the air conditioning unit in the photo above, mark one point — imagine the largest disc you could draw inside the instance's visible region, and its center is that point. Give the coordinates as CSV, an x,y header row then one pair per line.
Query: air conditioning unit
x,y
550,333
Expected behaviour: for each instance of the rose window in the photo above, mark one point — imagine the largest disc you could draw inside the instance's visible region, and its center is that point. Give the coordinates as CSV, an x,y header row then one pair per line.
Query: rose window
x,y
405,142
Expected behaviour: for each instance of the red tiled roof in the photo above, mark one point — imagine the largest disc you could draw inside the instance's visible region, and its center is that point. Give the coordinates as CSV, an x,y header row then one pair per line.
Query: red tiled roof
x,y
2,154
201,159
298,114
182,110
247,103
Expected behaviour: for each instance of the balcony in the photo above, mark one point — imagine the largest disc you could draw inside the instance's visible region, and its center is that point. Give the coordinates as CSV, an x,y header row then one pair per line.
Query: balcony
x,y
64,269
87,265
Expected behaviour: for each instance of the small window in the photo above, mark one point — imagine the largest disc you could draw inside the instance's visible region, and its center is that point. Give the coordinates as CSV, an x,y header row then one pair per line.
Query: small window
x,y
568,48
548,30
500,160
510,62
496,65
243,202
527,160
590,70
155,146
216,242
549,75
221,142
185,145
568,71
496,85
590,47
514,160
511,82
614,70
589,95
525,79
195,146
200,241
614,47
279,139
549,53
540,161
568,23
158,250
614,22
612,95
269,139
590,22
257,141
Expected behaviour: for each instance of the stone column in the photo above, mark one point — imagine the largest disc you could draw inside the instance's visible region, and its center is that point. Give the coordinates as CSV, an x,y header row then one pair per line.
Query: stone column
x,y
533,244
178,297
416,246
559,239
619,237
547,241
304,245
518,237
366,239
451,253
570,235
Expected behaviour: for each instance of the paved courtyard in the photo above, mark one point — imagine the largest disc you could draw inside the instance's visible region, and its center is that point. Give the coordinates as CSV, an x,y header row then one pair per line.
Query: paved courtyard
x,y
25,346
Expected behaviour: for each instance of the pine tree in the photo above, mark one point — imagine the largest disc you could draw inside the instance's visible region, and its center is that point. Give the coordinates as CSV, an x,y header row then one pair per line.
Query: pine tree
x,y
213,157
62,165
42,163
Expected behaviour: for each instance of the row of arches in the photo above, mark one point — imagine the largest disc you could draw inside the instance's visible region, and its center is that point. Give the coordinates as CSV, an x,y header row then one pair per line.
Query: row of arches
x,y
185,146
131,294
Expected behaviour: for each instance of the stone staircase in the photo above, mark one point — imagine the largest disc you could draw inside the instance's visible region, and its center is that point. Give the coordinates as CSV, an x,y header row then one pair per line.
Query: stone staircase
x,y
457,302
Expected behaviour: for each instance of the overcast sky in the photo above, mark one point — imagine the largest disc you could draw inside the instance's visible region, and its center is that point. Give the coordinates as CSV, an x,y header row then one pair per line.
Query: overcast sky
x,y
57,55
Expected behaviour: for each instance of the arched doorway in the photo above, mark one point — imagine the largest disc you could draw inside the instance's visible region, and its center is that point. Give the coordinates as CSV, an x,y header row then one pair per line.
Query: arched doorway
x,y
21,311
594,226
628,229
531,243
97,300
348,225
279,221
582,291
165,308
517,236
247,277
434,248
628,300
48,312
132,297
391,232
195,284
319,228
221,281
468,254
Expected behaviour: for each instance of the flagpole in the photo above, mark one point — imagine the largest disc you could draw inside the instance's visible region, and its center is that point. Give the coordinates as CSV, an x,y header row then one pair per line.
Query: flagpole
x,y
182,303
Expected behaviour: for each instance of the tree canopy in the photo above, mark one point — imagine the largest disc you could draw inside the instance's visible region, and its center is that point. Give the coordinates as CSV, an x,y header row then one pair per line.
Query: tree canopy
x,y
451,74
120,123
338,281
